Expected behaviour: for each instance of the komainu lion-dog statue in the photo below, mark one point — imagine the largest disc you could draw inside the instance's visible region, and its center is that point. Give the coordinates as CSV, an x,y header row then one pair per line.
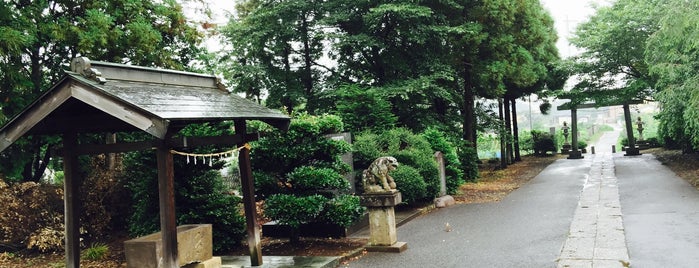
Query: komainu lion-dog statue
x,y
376,179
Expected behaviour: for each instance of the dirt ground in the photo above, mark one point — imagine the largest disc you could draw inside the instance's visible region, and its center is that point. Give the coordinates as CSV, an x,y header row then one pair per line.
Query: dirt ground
x,y
493,185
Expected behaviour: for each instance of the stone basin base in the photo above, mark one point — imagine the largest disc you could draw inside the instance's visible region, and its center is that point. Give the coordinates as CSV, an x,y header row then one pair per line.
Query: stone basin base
x,y
194,245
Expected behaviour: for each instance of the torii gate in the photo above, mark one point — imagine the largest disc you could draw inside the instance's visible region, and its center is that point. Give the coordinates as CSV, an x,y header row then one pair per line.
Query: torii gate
x,y
577,154
107,97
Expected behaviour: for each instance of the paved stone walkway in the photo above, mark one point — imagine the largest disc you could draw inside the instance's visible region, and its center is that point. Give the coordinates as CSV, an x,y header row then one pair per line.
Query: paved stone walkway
x,y
596,237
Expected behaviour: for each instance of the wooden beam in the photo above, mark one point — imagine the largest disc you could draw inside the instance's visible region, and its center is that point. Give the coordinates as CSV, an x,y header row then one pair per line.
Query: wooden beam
x,y
166,192
568,105
248,191
71,194
32,116
142,120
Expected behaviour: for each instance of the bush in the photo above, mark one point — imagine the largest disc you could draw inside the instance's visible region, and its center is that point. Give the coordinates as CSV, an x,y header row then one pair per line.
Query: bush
x,y
31,216
299,174
582,145
543,142
409,149
343,210
294,210
200,195
102,194
409,182
310,179
439,143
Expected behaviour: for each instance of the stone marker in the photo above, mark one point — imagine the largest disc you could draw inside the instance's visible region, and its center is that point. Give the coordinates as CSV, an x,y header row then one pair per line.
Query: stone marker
x,y
443,200
439,157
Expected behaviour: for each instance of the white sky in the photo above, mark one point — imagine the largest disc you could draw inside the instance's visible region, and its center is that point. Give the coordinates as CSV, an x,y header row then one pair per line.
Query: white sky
x,y
567,14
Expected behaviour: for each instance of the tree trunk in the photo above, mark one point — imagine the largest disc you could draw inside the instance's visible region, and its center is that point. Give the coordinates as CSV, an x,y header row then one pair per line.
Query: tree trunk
x,y
515,131
503,151
307,76
468,113
508,130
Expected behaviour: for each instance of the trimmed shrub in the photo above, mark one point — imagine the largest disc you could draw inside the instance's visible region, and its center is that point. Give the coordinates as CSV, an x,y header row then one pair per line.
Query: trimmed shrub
x,y
299,174
343,210
582,145
410,184
409,149
294,210
543,142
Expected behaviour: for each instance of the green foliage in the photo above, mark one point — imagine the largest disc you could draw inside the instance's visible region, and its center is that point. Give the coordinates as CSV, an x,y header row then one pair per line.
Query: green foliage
x,y
294,210
200,194
312,179
279,153
299,173
410,184
343,210
361,108
439,143
96,252
41,37
263,59
672,57
612,67
409,149
468,157
582,145
543,142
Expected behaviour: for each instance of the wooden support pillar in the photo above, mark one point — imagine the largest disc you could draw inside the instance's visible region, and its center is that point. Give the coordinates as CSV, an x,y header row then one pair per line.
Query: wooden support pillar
x,y
574,153
631,150
166,190
248,191
71,196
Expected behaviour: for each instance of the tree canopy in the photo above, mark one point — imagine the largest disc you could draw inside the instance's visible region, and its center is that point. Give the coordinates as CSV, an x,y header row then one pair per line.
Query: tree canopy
x,y
41,37
429,59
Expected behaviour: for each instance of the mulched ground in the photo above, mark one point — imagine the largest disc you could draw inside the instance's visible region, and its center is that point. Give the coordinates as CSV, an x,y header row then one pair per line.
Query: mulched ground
x,y
493,185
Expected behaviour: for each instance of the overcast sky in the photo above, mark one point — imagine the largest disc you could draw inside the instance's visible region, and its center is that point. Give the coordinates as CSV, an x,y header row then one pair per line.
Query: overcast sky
x,y
567,14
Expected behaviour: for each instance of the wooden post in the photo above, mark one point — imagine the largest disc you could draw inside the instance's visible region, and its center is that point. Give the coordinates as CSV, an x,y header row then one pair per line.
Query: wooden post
x,y
575,152
166,191
71,196
248,191
632,150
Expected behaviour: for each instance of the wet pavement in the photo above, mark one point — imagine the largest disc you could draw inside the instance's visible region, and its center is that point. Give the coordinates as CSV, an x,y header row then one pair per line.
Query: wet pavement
x,y
606,210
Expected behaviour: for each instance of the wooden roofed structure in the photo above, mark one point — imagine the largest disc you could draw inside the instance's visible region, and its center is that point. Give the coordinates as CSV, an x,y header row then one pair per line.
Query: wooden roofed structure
x,y
101,97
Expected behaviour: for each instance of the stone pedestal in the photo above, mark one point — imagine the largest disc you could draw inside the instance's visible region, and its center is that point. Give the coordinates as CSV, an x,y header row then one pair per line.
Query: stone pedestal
x,y
565,149
632,151
575,154
194,245
382,221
